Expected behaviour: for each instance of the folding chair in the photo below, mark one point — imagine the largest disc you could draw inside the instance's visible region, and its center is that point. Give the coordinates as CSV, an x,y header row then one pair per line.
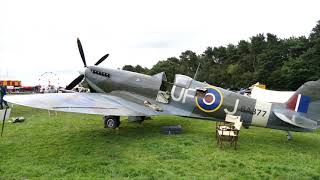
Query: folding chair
x,y
229,131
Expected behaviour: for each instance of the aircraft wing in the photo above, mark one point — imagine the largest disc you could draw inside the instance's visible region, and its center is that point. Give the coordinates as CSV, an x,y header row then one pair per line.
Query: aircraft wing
x,y
296,119
88,103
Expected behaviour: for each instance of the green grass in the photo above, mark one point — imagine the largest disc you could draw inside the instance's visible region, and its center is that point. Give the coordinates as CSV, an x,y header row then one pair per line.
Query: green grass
x,y
76,146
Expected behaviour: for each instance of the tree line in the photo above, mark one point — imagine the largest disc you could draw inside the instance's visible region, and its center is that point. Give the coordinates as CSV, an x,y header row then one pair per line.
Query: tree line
x,y
281,64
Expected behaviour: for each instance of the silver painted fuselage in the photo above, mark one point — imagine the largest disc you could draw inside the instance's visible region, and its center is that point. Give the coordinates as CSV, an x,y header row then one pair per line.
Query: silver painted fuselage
x,y
193,99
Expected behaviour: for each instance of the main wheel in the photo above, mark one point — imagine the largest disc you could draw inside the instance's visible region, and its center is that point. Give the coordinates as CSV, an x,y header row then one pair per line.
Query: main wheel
x,y
111,122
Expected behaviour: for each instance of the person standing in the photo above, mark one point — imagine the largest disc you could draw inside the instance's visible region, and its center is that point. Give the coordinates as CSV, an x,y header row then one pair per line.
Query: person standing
x,y
3,92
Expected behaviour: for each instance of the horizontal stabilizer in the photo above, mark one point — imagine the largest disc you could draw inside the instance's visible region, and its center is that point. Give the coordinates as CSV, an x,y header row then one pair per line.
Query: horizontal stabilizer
x,y
296,119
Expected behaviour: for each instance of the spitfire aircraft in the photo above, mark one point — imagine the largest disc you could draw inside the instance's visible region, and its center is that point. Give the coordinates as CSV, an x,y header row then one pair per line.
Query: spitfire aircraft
x,y
115,93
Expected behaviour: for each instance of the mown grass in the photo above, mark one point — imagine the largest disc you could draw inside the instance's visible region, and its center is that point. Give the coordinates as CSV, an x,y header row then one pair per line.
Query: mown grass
x,y
76,146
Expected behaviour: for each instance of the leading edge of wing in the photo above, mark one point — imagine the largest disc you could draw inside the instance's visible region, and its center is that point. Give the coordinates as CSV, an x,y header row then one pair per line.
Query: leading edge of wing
x,y
88,103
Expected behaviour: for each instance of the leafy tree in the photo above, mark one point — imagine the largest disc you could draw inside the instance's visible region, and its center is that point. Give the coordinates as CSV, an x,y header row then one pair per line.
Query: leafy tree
x,y
295,72
282,64
169,66
128,68
136,68
188,63
315,33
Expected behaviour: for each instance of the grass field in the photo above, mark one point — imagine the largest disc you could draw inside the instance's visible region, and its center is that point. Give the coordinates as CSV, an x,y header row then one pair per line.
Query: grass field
x,y
76,146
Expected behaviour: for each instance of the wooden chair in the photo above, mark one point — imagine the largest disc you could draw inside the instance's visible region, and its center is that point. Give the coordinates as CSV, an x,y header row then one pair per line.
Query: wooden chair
x,y
229,130
227,124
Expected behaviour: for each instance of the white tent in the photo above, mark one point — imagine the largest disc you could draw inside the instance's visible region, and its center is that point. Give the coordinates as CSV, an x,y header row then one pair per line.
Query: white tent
x,y
270,95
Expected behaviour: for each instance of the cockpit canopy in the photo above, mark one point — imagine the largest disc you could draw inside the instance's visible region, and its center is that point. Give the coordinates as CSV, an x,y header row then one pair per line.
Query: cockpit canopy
x,y
162,76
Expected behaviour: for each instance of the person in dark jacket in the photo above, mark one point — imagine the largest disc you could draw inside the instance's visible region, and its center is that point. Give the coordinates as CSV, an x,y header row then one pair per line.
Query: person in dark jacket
x,y
3,92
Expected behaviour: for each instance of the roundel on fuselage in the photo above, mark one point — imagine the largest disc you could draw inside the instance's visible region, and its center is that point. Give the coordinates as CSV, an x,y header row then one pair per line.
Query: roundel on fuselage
x,y
211,101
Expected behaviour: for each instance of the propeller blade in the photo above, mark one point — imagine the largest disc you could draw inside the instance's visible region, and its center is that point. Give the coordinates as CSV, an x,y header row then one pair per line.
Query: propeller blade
x,y
101,59
81,52
75,82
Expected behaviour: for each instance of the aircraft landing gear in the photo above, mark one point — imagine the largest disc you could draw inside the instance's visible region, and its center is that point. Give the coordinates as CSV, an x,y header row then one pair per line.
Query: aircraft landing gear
x,y
137,119
289,136
111,122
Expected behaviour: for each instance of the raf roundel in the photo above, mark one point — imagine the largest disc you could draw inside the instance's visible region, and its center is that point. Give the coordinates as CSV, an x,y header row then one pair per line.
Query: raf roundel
x,y
211,101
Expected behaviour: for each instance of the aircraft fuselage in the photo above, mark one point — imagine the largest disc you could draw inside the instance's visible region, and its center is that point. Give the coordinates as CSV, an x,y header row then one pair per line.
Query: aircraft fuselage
x,y
194,99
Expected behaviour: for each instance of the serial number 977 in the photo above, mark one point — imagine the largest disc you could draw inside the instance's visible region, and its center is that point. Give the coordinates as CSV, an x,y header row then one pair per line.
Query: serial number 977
x,y
254,111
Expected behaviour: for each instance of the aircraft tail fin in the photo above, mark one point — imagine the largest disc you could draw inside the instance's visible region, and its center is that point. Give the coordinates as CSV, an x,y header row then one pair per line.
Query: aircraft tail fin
x,y
306,100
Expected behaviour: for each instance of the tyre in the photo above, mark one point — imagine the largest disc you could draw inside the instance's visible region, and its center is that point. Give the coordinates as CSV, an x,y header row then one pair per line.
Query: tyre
x,y
111,122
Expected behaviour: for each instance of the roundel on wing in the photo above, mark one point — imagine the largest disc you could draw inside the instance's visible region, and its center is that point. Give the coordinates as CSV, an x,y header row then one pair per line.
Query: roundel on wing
x,y
211,101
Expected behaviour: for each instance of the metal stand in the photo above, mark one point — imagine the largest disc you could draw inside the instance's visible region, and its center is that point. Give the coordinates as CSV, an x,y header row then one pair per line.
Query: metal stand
x,y
289,136
3,120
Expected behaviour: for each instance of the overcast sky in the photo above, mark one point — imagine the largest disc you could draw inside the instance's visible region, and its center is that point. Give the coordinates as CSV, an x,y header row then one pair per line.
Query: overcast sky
x,y
38,36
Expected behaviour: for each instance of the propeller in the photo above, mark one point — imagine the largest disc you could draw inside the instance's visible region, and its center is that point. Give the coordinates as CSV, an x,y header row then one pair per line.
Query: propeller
x,y
81,77
75,82
101,59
